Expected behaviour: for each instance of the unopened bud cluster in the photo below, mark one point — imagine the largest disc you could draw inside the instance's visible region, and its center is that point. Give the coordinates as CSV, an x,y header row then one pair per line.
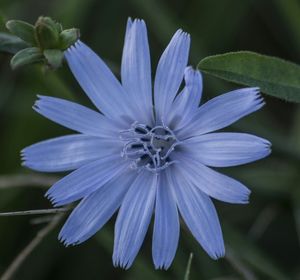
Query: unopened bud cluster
x,y
45,42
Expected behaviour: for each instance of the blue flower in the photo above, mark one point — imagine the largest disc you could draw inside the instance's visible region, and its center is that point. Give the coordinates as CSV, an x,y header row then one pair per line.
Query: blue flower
x,y
144,157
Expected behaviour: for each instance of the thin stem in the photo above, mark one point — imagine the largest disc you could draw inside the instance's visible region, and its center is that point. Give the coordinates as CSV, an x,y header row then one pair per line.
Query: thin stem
x,y
188,267
34,212
18,261
264,219
41,220
239,266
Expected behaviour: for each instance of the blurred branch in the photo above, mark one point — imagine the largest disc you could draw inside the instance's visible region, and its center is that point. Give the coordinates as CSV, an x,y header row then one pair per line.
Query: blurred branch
x,y
34,212
18,261
41,220
262,222
295,195
296,210
22,180
238,265
255,257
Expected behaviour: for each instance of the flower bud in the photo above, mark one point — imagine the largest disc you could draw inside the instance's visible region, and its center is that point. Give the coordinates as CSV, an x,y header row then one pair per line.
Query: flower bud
x,y
47,33
68,37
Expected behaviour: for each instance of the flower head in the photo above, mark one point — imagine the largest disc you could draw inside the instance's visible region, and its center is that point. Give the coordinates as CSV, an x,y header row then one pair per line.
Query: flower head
x,y
144,158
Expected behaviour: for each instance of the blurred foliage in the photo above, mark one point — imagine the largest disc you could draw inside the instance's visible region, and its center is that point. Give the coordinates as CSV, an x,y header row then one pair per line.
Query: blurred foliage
x,y
262,238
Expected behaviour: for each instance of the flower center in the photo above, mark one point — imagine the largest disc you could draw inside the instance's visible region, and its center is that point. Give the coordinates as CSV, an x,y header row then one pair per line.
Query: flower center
x,y
149,147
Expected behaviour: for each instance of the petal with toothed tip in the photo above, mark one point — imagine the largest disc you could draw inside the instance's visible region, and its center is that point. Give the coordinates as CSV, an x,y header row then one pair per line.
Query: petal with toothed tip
x,y
187,101
98,82
199,214
76,117
134,218
95,210
166,225
225,149
136,69
211,182
169,73
86,179
222,111
68,152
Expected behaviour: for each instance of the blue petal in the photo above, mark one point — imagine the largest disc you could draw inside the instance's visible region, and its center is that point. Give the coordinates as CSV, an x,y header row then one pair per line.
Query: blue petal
x,y
212,183
222,111
187,101
199,214
166,225
68,152
86,180
169,73
227,149
136,69
98,81
95,210
128,26
76,117
134,218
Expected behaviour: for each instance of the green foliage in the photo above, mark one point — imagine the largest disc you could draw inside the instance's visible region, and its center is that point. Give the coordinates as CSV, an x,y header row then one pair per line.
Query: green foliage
x,y
54,57
10,43
25,57
274,76
23,30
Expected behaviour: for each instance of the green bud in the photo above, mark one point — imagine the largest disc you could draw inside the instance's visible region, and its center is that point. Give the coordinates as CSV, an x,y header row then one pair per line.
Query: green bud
x,y
47,33
26,56
54,58
23,30
68,37
43,42
58,27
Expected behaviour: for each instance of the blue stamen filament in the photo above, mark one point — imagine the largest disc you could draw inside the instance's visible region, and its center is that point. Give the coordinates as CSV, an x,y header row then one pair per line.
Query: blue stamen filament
x,y
148,147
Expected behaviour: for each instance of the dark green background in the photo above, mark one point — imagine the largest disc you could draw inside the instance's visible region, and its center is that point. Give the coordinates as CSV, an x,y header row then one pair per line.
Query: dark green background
x,y
262,238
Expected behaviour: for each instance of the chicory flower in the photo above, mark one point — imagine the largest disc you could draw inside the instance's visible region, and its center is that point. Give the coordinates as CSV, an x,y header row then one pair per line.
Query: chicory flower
x,y
147,150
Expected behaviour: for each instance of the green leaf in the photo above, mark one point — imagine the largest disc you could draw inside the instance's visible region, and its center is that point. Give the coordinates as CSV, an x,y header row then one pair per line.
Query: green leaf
x,y
26,56
11,43
54,57
274,76
23,30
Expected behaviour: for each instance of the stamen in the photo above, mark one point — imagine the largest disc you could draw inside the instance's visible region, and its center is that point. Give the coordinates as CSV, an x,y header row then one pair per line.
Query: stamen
x,y
171,149
148,148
